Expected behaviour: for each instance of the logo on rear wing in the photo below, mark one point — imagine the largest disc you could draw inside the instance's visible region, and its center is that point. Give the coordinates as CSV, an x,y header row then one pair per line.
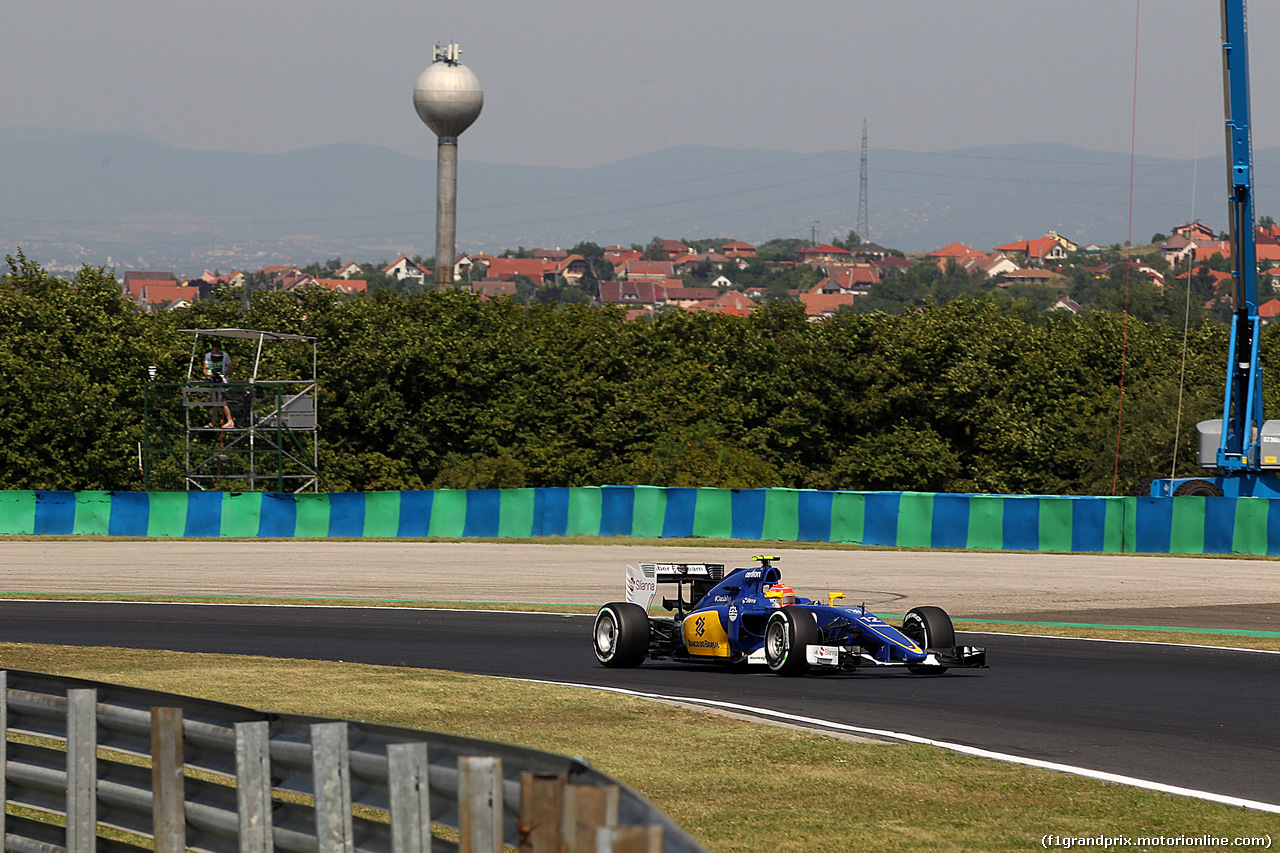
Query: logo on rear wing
x,y
642,584
671,572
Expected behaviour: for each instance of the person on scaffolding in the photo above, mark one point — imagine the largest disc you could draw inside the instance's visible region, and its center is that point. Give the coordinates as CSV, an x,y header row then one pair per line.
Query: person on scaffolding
x,y
217,368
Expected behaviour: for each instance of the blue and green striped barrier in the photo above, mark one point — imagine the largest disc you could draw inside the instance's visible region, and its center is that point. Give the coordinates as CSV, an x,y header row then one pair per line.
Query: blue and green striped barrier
x,y
1185,525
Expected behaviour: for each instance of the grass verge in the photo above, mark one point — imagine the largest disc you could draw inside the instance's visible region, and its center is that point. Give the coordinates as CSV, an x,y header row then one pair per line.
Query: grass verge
x,y
735,785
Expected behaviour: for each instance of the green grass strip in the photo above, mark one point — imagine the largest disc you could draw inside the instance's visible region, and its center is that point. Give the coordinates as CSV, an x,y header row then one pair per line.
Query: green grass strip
x,y
1228,632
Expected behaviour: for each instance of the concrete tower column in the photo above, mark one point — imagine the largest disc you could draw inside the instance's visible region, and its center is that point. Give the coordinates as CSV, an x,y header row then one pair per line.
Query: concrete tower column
x,y
446,208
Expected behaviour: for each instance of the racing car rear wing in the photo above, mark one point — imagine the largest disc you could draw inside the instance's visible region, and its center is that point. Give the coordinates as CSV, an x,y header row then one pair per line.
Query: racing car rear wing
x,y
642,583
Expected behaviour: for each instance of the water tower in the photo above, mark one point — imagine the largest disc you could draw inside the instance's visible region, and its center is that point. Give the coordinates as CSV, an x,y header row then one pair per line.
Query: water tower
x,y
448,98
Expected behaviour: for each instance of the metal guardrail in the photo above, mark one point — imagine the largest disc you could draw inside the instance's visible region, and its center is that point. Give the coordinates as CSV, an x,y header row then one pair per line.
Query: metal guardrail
x,y
92,767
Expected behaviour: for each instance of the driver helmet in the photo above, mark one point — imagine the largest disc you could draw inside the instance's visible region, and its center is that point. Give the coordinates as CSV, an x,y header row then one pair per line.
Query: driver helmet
x,y
781,595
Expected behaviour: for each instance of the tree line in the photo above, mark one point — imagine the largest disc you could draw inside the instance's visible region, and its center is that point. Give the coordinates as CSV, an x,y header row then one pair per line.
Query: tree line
x,y
444,390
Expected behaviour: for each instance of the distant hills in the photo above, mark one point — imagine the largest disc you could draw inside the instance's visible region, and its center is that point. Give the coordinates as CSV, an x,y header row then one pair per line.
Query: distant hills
x,y
72,197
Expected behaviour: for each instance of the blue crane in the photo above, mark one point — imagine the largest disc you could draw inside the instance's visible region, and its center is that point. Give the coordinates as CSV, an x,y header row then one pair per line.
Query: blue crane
x,y
1242,447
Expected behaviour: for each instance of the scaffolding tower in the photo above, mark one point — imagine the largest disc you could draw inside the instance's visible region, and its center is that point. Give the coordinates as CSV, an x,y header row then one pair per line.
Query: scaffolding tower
x,y
273,444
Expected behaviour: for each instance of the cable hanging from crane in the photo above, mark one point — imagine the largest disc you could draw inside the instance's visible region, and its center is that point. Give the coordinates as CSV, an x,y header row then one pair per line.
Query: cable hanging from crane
x,y
1128,244
1191,258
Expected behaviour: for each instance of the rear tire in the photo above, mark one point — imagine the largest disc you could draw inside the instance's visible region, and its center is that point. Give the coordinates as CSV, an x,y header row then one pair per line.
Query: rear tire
x,y
786,635
931,628
621,635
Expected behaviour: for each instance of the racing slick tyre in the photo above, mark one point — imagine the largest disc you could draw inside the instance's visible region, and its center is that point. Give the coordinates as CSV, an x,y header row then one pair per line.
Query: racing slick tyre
x,y
931,628
621,634
786,635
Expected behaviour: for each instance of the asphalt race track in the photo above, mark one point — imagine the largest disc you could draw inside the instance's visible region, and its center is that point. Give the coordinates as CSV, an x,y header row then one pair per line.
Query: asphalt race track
x,y
1197,718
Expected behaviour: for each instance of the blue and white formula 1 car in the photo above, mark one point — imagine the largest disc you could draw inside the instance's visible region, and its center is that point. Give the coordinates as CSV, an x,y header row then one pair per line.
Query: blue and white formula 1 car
x,y
750,616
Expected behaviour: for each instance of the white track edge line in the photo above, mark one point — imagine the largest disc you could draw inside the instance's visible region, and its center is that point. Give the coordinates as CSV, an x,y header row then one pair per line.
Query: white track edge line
x,y
1098,775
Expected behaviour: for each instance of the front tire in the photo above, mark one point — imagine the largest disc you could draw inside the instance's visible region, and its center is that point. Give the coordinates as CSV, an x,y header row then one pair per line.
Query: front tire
x,y
931,628
786,635
621,635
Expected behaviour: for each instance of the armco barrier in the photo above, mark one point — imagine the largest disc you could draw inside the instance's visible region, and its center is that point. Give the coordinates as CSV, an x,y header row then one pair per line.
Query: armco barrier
x,y
1184,525
157,771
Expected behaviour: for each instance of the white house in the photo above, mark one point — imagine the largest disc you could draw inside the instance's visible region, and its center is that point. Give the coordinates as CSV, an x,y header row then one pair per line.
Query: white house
x,y
402,268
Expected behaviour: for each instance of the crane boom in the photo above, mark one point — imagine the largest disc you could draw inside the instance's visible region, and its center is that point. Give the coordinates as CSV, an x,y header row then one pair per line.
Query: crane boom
x,y
1242,414
1242,446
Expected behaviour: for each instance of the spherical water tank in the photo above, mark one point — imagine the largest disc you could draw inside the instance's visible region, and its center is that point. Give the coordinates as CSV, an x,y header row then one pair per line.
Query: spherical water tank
x,y
448,98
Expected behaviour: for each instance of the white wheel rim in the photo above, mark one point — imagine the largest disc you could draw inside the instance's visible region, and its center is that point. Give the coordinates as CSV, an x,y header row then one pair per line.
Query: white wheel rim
x,y
777,640
606,634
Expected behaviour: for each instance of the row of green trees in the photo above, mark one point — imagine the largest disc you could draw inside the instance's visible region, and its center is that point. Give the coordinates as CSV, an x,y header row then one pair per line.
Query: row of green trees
x,y
441,389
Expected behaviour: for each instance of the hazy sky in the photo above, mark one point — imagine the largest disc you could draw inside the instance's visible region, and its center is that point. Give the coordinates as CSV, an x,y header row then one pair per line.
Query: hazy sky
x,y
569,82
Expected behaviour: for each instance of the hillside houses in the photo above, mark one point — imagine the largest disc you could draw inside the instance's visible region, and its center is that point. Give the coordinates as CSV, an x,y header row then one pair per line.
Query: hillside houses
x,y
734,277
162,291
958,253
822,306
1179,248
547,269
1037,252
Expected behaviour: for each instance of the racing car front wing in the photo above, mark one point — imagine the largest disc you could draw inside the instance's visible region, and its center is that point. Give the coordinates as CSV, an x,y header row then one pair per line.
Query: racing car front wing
x,y
851,657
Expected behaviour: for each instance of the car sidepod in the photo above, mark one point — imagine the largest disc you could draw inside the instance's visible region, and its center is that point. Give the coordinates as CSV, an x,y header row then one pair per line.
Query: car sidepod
x,y
705,634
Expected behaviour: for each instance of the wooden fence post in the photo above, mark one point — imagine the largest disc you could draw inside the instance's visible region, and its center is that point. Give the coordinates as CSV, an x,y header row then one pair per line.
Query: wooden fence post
x,y
541,811
410,798
331,769
629,839
168,806
82,771
480,804
586,809
253,786
4,739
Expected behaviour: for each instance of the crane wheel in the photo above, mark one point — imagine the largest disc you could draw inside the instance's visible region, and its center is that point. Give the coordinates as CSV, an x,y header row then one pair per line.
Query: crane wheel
x,y
1198,489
